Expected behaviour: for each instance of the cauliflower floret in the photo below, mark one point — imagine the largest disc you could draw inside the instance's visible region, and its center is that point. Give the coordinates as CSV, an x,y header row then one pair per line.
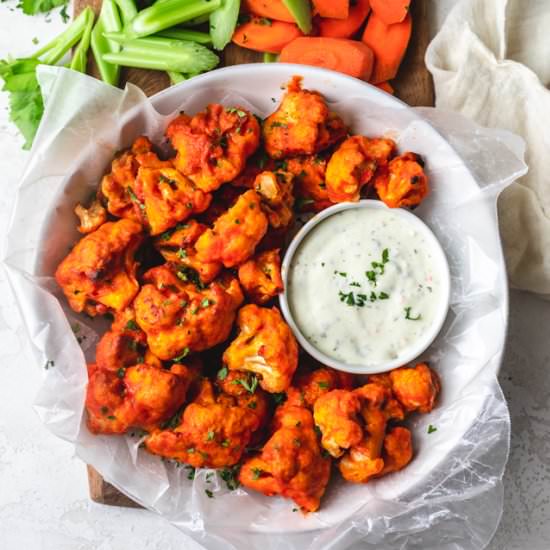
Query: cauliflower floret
x,y
265,346
398,450
178,317
91,218
276,192
213,432
235,234
98,275
140,396
260,276
354,164
310,187
403,182
416,388
213,146
291,463
167,197
178,247
315,383
336,414
302,124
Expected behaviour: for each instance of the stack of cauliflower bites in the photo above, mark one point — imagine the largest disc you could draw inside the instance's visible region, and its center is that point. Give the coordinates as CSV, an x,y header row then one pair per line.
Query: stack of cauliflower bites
x,y
184,254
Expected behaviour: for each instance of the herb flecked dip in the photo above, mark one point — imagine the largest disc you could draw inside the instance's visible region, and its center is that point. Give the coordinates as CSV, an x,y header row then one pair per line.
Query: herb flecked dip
x,y
363,286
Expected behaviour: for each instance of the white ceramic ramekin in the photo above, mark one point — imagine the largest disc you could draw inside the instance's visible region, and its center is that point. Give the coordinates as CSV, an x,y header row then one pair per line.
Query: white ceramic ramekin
x,y
412,351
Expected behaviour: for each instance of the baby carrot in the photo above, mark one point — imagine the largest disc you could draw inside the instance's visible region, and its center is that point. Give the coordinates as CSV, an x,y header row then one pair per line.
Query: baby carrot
x,y
346,28
272,9
350,57
389,44
391,11
264,35
337,9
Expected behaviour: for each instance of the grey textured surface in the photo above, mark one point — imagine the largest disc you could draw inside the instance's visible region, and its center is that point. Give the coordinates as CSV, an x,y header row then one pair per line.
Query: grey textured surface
x,y
44,501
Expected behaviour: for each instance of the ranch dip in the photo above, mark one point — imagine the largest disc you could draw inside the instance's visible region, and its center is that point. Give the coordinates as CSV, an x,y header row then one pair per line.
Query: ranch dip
x,y
364,286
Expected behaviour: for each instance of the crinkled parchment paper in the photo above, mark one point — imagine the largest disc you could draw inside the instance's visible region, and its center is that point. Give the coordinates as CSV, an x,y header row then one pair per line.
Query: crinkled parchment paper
x,y
450,496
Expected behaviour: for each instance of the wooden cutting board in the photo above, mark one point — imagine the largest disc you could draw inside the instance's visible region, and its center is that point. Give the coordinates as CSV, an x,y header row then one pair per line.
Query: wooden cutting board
x,y
413,85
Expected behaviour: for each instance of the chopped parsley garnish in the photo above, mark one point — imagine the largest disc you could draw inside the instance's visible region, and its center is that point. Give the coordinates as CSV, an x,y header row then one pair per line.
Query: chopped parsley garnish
x,y
209,493
256,473
222,373
49,364
187,274
294,509
190,473
380,266
182,253
225,443
383,296
184,353
431,429
111,417
239,112
279,397
120,372
230,476
355,283
173,422
210,435
252,405
323,385
206,302
301,202
341,273
134,198
352,299
249,387
131,325
409,317
278,124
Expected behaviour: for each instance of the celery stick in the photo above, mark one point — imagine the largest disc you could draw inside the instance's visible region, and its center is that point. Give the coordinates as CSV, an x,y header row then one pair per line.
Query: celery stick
x,y
301,11
166,14
175,33
80,55
67,39
109,20
164,54
127,9
223,22
187,34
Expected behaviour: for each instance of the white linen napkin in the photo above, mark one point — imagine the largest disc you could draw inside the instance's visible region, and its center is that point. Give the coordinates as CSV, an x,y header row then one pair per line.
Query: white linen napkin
x,y
491,62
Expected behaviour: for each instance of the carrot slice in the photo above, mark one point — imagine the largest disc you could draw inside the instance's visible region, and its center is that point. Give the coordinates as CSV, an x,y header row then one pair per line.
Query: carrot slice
x,y
389,44
264,35
391,11
273,9
346,56
346,28
337,9
386,86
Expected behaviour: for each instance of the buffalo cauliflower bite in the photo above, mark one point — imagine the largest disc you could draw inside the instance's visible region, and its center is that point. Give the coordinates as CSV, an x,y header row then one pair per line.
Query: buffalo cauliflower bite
x,y
416,388
214,145
178,317
310,188
98,275
235,234
354,164
141,396
315,383
167,197
336,414
178,247
213,431
302,124
398,450
260,276
276,192
123,344
291,463
91,218
118,186
265,346
403,182
378,406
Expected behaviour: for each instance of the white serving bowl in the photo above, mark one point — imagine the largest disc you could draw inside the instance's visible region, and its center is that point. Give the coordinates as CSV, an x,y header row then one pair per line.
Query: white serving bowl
x,y
468,348
420,345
